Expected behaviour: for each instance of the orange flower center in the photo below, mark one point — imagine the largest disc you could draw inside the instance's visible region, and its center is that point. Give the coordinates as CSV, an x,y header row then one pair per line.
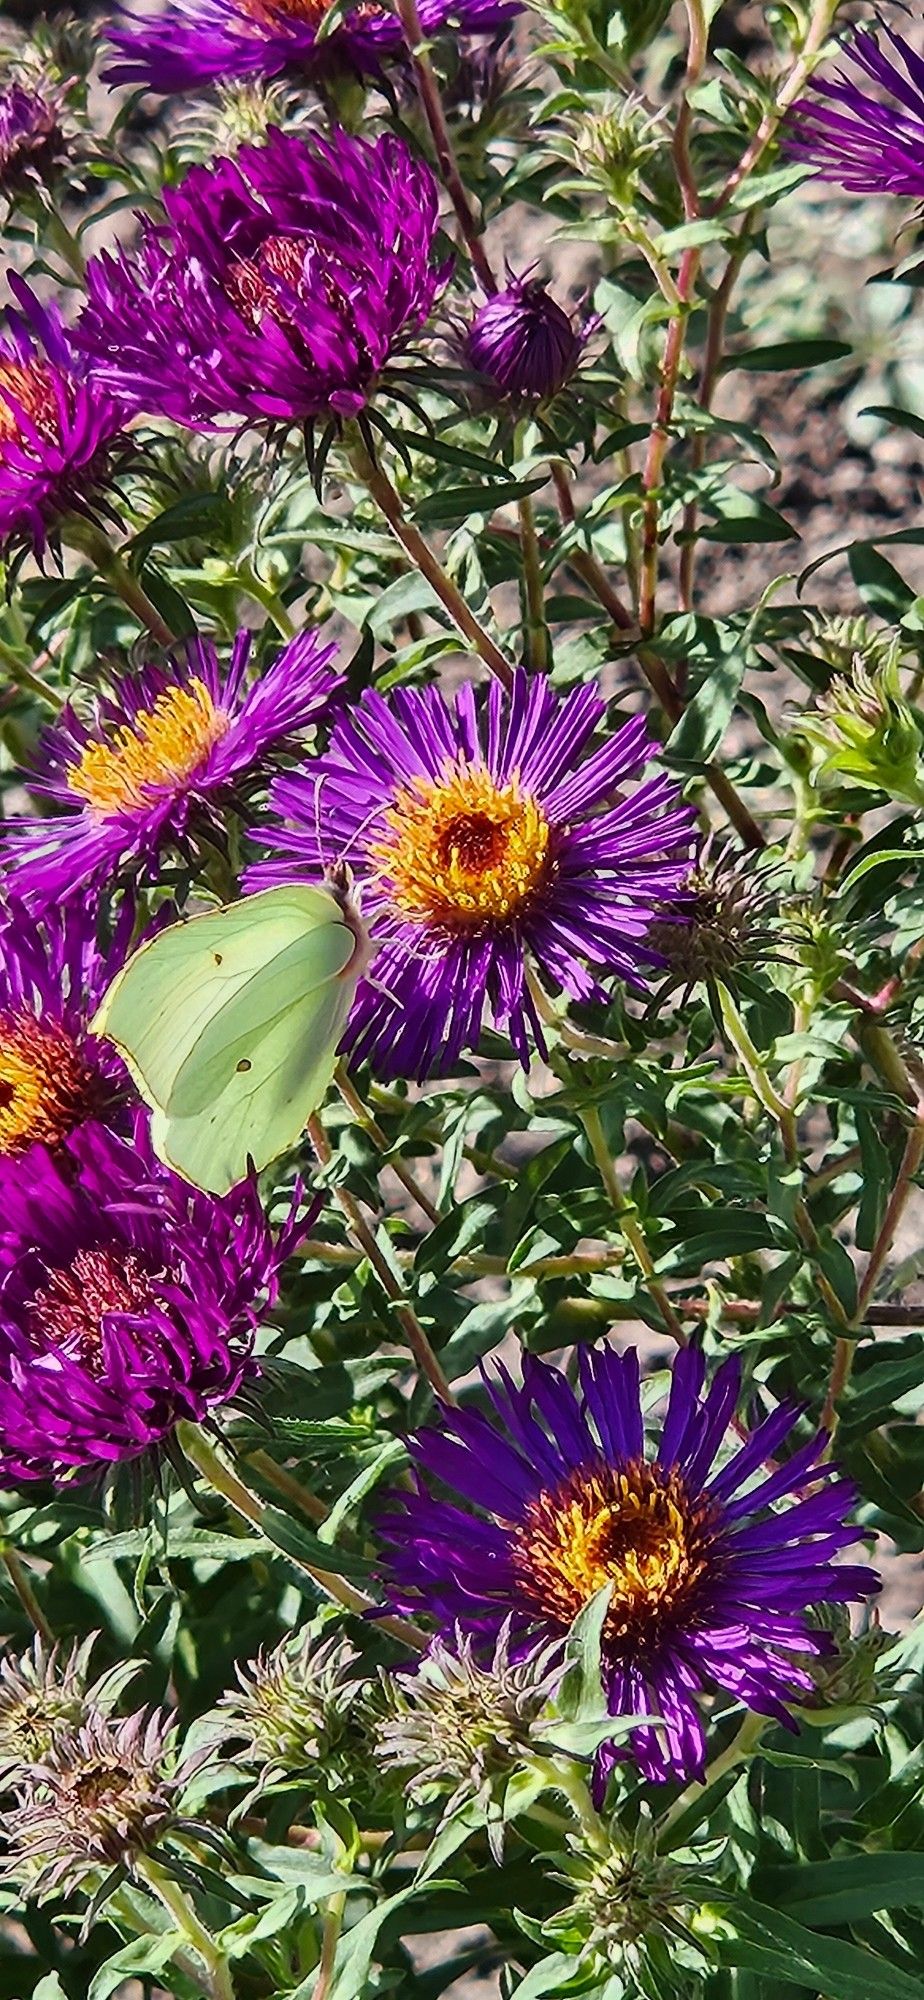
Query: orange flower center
x,y
46,1087
164,746
303,13
637,1530
463,851
28,387
70,1311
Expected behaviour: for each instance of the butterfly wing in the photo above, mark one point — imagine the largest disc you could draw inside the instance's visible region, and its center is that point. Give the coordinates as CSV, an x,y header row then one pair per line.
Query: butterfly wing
x,y
230,1023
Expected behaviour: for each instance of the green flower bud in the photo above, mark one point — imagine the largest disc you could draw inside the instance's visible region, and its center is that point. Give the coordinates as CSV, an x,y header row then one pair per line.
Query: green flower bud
x,y
863,733
635,1908
45,1695
291,1712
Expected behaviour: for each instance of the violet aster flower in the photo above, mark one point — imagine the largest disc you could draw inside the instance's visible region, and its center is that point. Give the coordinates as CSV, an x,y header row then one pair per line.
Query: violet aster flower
x,y
57,423
128,1301
281,284
163,755
188,43
869,144
523,343
32,143
710,1582
481,840
54,1074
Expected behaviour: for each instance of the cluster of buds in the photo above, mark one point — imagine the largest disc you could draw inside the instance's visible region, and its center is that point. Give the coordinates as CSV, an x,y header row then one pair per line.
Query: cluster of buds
x,y
91,1792
863,733
460,1730
292,1712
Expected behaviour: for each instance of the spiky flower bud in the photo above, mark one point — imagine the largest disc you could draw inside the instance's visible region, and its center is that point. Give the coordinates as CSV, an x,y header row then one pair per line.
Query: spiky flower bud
x,y
104,1795
46,1695
633,1908
618,146
291,1710
461,1729
523,344
863,732
729,916
32,142
849,1678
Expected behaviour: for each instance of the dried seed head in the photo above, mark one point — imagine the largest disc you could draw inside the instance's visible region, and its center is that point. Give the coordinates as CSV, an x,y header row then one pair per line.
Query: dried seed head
x,y
106,1793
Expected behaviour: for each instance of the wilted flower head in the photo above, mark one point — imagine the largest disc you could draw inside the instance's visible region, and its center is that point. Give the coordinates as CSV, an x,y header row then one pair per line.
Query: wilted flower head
x,y
868,143
292,1708
32,143
460,1727
863,732
55,1074
57,424
731,919
46,1694
523,344
128,1301
482,836
709,1584
632,1906
186,43
285,279
159,761
104,1795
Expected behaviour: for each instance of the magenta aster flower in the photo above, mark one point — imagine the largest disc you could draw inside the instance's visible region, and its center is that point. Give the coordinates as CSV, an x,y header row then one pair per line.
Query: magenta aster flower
x,y
523,343
482,839
868,143
57,423
279,287
159,761
32,143
711,1581
54,1074
188,43
128,1301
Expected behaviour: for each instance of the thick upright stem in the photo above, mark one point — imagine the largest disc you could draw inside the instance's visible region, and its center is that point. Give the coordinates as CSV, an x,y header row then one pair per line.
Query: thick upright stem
x,y
628,1223
740,1750
217,1969
379,486
536,635
432,106
89,540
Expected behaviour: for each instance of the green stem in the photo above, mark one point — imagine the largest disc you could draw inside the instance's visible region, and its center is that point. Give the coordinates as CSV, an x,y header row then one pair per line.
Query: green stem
x,y
756,1073
272,604
567,1778
220,1475
369,1124
333,1925
741,1749
168,1892
379,486
89,540
535,630
60,238
26,1595
628,1221
27,679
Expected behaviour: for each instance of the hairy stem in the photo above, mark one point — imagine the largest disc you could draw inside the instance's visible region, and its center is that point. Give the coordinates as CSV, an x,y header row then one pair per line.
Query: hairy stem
x,y
26,1595
217,1969
740,1750
431,104
89,540
535,630
369,1124
628,1221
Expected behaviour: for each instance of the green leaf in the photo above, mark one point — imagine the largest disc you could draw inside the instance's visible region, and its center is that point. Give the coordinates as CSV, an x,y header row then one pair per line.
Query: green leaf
x,y
143,1955
787,354
202,517
581,1695
705,719
767,1942
844,1890
451,504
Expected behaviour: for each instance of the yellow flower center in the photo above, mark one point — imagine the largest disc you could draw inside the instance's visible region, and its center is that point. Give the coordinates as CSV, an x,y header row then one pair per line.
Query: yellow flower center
x,y
637,1530
304,13
45,1086
463,851
28,386
164,746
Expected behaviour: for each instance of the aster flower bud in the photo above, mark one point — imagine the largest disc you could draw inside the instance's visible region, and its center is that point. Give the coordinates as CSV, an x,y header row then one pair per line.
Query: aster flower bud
x,y
632,1907
616,148
46,1694
727,916
461,1729
850,1677
104,1795
523,344
862,732
32,142
292,1708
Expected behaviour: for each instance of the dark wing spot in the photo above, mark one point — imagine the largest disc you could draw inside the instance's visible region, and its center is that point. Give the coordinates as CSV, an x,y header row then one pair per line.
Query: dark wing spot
x,y
218,958
244,1064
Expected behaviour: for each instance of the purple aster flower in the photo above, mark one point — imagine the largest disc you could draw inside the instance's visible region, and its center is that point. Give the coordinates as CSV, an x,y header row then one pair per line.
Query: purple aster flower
x,y
523,343
160,760
188,43
281,284
482,839
57,423
128,1301
710,1581
54,1074
32,143
870,144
